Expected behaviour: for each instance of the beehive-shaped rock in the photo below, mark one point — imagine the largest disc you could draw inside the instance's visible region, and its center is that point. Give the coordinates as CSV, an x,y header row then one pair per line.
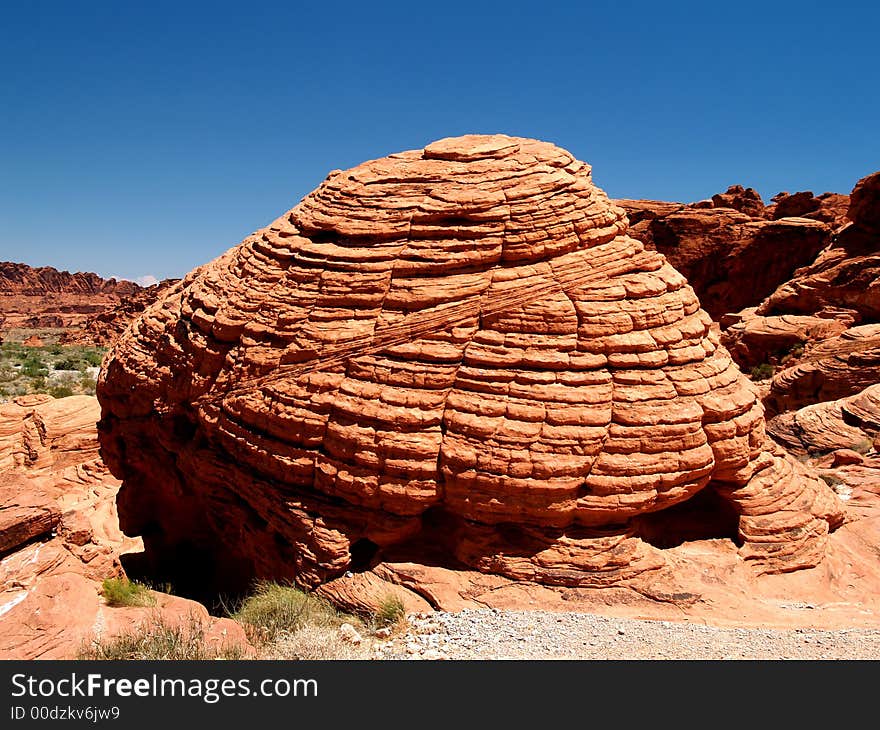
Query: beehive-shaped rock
x,y
455,349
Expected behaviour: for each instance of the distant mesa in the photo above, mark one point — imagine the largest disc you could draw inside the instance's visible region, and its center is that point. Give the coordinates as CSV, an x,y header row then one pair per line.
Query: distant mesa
x,y
82,308
454,355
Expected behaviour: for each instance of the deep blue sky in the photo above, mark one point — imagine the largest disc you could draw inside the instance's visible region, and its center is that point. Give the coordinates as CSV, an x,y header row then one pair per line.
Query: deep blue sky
x,y
146,138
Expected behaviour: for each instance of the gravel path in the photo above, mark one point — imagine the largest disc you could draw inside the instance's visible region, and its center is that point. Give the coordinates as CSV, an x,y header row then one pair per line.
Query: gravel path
x,y
495,634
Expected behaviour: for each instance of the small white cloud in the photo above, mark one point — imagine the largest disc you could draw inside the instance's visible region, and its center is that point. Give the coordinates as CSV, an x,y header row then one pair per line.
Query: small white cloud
x,y
147,280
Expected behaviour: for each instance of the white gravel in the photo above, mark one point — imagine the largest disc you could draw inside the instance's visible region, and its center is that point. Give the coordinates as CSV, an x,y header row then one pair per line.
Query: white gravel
x,y
496,634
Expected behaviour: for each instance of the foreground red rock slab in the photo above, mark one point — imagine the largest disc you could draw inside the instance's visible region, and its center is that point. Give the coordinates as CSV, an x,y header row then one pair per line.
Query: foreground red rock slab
x,y
457,346
60,536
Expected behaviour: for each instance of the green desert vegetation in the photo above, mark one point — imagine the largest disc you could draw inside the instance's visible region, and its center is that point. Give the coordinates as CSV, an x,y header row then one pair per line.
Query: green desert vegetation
x,y
59,370
273,608
125,592
764,371
280,621
284,622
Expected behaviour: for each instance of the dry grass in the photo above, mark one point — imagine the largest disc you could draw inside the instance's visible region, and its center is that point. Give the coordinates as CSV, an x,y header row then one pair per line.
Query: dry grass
x,y
315,642
391,611
156,639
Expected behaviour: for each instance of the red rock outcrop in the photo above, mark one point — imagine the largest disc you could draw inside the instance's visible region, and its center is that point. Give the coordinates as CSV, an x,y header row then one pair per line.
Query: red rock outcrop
x,y
745,200
26,512
829,310
752,339
732,260
44,297
830,208
849,423
455,349
832,368
60,537
864,206
846,275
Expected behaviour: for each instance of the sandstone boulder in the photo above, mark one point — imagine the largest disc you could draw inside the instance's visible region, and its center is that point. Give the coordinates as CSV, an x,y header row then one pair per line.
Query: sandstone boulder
x,y
745,200
752,339
26,512
455,350
828,208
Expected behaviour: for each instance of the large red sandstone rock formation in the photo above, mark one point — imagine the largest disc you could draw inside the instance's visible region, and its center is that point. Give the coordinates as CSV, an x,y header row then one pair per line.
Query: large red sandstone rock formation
x,y
47,298
454,351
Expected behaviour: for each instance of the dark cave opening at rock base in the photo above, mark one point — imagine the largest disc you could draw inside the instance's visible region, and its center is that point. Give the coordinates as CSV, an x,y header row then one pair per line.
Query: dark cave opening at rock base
x,y
214,576
705,516
218,580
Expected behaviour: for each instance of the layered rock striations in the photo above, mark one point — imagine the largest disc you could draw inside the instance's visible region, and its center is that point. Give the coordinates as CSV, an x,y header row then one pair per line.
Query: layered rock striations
x,y
457,351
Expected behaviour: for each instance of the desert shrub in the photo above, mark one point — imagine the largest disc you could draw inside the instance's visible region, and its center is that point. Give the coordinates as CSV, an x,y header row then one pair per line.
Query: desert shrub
x,y
68,364
124,592
863,446
391,610
273,608
793,352
764,371
87,384
60,391
93,357
33,367
158,640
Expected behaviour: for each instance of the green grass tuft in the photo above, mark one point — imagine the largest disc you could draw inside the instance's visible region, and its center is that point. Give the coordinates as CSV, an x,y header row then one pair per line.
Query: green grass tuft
x,y
391,610
123,592
274,608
